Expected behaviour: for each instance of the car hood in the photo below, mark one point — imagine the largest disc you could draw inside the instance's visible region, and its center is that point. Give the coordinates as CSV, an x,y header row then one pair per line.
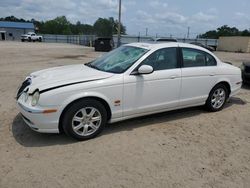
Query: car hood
x,y
64,75
24,35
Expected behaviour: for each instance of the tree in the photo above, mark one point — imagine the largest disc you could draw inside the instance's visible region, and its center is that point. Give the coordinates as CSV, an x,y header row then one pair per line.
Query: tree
x,y
115,26
245,33
224,31
103,27
60,25
107,27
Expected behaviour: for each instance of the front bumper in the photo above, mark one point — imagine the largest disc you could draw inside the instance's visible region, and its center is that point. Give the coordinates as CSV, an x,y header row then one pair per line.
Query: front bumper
x,y
37,120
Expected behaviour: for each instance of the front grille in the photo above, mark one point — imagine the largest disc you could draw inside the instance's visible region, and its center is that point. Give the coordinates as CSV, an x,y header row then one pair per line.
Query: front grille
x,y
247,69
25,84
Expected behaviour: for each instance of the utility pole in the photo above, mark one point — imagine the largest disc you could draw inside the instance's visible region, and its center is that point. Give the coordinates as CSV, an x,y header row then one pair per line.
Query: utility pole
x,y
119,24
188,32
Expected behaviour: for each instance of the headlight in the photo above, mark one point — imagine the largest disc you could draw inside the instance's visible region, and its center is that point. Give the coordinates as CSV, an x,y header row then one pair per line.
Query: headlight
x,y
35,98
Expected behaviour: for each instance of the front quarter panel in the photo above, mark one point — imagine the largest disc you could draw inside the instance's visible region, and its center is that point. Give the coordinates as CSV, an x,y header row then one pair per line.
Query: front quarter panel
x,y
110,90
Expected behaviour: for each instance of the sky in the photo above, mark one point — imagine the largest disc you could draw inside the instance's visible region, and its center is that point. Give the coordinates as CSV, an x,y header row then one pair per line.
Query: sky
x,y
161,17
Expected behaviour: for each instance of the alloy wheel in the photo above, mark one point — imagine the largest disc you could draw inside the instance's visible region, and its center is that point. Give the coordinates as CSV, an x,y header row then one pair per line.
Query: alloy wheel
x,y
86,121
218,98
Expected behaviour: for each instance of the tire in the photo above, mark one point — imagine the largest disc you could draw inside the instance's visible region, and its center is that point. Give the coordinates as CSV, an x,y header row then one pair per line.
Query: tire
x,y
217,98
40,39
78,122
22,40
29,39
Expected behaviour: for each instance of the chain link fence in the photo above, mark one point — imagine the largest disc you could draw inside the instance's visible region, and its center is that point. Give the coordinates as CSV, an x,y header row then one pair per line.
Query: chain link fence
x,y
88,40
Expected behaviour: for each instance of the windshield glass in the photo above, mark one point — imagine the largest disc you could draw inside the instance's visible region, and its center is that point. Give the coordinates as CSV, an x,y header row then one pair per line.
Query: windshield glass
x,y
118,60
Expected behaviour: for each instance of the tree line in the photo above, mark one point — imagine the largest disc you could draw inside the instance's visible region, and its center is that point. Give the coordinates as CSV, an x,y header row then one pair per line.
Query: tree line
x,y
224,31
103,27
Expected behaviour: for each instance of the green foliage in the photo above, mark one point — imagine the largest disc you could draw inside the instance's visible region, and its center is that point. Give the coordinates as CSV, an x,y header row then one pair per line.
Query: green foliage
x,y
60,25
224,31
103,27
115,24
12,19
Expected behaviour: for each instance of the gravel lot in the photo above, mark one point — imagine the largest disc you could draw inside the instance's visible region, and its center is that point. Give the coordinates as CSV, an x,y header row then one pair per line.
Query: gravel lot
x,y
184,148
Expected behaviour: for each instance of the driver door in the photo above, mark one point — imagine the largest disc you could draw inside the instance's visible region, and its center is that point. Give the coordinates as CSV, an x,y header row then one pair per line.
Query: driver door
x,y
155,92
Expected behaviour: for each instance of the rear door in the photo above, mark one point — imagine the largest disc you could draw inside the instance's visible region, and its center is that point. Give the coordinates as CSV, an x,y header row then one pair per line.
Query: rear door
x,y
198,76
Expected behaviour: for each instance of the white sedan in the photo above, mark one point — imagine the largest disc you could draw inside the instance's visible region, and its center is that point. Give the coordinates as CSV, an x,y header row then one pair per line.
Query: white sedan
x,y
131,81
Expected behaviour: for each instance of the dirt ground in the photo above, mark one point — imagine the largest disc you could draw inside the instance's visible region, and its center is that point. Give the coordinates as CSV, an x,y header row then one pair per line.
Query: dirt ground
x,y
184,148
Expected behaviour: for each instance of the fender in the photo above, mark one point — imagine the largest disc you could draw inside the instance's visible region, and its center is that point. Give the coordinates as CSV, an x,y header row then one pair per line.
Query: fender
x,y
85,95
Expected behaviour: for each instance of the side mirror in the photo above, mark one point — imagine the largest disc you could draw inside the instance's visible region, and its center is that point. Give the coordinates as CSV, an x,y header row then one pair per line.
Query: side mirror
x,y
145,69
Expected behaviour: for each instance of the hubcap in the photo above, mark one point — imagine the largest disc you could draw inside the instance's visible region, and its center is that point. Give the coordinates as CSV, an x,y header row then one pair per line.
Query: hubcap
x,y
86,121
218,98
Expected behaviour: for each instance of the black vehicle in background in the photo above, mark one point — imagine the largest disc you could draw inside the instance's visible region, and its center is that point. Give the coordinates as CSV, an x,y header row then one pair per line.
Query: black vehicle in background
x,y
103,44
204,46
163,40
245,68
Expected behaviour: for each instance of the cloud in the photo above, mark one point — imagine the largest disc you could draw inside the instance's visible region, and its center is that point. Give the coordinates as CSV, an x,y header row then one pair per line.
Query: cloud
x,y
159,16
203,17
242,16
241,19
74,10
158,4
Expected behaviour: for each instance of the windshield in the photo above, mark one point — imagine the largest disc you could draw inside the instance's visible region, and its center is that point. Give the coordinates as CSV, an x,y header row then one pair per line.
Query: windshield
x,y
118,60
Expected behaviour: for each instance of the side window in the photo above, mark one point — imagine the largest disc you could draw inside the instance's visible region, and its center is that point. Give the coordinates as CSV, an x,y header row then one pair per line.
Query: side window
x,y
197,58
210,60
193,58
162,59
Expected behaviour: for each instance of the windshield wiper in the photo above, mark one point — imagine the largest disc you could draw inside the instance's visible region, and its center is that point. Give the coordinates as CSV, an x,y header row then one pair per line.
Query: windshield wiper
x,y
92,66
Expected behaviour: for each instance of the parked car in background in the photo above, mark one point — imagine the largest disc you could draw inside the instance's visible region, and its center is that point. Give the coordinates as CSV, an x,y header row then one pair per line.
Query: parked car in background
x,y
245,68
210,48
103,44
163,40
133,80
30,36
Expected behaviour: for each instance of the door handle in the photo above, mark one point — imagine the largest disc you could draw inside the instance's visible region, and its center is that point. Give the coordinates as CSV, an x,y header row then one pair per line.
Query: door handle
x,y
173,77
212,74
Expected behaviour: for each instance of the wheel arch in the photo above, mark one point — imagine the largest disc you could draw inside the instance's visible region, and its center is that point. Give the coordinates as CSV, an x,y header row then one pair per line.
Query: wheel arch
x,y
97,98
225,83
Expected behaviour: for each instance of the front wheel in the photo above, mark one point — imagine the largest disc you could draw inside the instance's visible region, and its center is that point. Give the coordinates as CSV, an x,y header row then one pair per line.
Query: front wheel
x,y
217,98
84,119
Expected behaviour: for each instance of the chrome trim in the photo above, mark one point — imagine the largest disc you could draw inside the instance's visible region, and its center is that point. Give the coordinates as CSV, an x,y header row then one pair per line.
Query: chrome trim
x,y
30,110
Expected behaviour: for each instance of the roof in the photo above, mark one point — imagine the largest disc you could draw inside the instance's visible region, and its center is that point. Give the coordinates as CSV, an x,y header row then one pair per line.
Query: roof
x,y
19,25
151,46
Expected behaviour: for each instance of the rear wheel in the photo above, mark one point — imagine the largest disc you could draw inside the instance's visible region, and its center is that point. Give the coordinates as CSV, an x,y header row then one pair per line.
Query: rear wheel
x,y
217,98
85,119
